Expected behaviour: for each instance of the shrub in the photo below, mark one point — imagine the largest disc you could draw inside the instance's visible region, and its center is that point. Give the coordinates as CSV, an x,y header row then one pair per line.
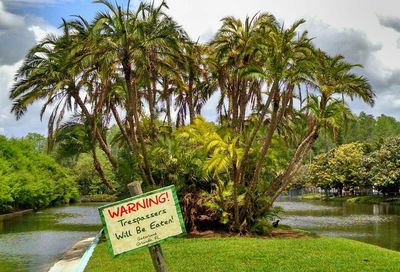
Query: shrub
x,y
31,179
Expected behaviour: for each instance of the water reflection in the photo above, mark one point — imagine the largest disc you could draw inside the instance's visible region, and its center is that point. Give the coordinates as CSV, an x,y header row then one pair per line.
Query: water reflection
x,y
33,242
377,224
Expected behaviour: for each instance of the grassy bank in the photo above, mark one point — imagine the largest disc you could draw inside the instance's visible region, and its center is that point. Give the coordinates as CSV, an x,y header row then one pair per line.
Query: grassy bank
x,y
254,254
354,199
99,198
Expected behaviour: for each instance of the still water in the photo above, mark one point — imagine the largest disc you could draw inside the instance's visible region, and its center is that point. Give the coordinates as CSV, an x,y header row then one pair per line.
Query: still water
x,y
377,224
34,242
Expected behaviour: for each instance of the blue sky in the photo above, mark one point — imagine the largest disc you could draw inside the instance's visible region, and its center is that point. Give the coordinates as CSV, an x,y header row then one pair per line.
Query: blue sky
x,y
367,33
52,11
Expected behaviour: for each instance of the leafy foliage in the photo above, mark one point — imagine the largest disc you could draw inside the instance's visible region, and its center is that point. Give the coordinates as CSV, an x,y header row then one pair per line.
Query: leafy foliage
x,y
383,166
355,167
339,168
86,176
31,179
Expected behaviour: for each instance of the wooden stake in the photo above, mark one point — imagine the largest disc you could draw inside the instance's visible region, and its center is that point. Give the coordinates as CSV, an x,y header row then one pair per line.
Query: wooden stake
x,y
156,253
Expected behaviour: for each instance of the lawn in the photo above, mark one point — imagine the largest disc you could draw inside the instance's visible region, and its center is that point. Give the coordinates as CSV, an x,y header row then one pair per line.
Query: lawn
x,y
254,254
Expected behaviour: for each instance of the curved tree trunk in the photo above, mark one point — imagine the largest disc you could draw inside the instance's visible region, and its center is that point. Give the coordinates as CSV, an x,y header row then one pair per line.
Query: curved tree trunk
x,y
131,144
103,145
302,150
99,169
134,121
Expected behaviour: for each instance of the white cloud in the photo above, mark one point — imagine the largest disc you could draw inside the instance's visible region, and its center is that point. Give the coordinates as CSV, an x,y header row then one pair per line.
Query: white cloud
x,y
6,77
18,34
8,20
30,122
33,2
340,27
15,40
41,32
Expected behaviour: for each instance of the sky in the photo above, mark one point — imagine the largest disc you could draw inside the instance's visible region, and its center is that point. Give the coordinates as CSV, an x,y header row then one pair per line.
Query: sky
x,y
364,31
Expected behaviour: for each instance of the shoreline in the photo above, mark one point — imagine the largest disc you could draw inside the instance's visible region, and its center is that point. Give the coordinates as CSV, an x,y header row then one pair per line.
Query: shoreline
x,y
11,215
352,199
77,257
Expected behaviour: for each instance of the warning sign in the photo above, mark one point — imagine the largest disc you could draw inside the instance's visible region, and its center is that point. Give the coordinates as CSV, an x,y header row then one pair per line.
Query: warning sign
x,y
142,221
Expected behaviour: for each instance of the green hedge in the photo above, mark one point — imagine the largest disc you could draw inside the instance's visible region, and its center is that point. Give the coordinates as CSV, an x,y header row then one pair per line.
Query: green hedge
x,y
30,178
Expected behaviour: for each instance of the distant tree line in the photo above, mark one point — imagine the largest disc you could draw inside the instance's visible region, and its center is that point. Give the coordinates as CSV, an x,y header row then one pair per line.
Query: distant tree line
x,y
363,128
357,168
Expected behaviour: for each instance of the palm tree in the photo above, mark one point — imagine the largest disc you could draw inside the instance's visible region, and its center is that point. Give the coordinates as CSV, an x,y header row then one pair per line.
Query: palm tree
x,y
121,32
48,74
194,84
236,48
286,60
330,76
158,40
249,55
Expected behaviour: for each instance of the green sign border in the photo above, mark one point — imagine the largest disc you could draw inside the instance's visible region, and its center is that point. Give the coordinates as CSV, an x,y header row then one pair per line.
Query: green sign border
x,y
178,211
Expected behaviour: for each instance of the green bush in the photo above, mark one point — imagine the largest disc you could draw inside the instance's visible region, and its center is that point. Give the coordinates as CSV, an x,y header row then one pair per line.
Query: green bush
x,y
262,227
31,179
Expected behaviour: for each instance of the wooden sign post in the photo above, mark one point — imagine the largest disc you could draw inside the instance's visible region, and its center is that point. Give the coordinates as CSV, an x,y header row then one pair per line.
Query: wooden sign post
x,y
156,253
143,220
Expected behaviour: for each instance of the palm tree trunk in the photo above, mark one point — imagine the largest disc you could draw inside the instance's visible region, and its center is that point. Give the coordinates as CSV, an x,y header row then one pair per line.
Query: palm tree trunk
x,y
152,108
121,126
168,106
235,196
131,144
97,135
242,106
99,169
190,101
268,138
252,137
295,163
134,121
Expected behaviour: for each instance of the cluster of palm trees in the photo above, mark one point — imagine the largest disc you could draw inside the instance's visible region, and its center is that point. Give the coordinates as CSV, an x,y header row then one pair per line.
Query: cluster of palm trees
x,y
129,65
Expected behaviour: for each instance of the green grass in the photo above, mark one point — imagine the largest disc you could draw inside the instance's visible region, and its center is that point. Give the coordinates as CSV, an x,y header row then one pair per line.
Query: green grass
x,y
252,254
353,199
99,198
11,264
366,199
312,196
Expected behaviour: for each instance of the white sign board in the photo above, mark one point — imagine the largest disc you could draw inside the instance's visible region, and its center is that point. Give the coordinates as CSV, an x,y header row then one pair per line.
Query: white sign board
x,y
142,221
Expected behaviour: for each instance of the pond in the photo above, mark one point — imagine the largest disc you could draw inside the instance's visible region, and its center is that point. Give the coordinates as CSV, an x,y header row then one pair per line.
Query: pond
x,y
34,242
377,224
